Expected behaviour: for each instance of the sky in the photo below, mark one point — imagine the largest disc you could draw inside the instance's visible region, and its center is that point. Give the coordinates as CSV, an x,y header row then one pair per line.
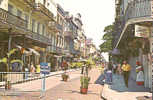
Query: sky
x,y
96,14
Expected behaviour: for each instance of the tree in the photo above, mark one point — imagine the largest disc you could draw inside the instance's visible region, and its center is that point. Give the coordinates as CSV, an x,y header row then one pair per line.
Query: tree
x,y
106,46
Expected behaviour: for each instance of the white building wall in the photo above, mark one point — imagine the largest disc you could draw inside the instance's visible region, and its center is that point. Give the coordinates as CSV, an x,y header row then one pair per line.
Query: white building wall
x,y
4,4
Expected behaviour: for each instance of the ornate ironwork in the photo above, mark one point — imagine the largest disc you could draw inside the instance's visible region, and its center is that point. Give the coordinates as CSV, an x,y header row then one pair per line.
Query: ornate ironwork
x,y
44,10
38,37
11,19
30,2
55,26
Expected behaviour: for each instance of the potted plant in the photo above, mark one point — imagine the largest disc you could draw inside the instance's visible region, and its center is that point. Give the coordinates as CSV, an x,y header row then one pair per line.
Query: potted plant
x,y
84,84
8,85
64,68
65,77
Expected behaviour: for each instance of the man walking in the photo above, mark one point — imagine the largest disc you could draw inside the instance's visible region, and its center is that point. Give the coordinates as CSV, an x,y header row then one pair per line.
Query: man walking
x,y
126,72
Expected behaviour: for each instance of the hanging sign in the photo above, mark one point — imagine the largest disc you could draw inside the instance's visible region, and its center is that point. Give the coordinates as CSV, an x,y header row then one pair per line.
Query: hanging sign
x,y
142,31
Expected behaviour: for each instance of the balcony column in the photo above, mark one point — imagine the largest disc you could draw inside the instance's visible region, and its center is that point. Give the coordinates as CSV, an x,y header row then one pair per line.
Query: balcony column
x,y
9,48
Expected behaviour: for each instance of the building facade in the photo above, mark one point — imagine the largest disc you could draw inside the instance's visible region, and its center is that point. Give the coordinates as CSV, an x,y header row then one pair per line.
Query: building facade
x,y
40,31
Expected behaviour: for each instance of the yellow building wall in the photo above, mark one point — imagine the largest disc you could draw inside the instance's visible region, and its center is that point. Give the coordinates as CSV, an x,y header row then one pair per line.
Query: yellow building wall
x,y
28,12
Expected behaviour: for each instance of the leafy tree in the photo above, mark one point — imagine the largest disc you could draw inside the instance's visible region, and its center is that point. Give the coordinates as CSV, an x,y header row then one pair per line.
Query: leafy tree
x,y
106,46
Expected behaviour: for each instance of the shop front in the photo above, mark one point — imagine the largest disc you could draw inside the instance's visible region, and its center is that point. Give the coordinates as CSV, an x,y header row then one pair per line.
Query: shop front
x,y
146,35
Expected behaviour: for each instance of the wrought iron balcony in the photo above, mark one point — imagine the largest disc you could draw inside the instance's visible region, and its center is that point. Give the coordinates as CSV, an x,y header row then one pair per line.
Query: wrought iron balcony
x,y
11,19
59,27
68,33
58,50
136,10
40,7
55,26
30,2
38,37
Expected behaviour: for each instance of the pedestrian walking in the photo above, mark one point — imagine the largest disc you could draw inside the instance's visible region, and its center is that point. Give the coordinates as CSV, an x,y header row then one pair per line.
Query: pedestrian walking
x,y
64,65
126,72
108,76
38,69
32,69
119,70
114,68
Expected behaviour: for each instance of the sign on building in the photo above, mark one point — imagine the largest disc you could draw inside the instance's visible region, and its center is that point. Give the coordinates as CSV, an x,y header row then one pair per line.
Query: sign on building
x,y
44,68
142,31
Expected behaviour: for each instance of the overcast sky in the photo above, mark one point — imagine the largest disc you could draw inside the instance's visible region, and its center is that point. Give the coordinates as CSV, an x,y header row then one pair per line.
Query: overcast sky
x,y
96,14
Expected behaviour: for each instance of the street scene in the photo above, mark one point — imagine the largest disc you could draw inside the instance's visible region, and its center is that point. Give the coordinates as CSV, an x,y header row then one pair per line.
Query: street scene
x,y
76,49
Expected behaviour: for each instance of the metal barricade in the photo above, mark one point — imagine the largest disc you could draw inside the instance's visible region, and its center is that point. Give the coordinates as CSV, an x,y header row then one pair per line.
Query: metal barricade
x,y
16,83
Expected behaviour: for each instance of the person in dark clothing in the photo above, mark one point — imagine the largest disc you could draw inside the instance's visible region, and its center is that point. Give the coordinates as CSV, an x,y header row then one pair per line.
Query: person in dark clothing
x,y
109,74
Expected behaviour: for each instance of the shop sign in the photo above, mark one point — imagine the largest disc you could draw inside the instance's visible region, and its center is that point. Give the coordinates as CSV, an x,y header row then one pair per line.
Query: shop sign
x,y
142,31
44,68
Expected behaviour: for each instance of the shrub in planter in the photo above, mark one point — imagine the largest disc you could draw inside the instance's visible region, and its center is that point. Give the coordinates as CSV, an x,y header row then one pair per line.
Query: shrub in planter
x,y
65,77
84,84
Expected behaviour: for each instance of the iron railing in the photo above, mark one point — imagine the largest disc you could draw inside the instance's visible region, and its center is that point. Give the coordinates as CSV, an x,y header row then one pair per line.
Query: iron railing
x,y
135,9
55,26
39,37
11,19
30,2
59,27
58,50
68,33
40,7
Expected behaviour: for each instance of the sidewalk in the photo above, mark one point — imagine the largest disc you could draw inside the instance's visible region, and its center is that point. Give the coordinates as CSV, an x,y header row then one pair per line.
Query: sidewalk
x,y
118,90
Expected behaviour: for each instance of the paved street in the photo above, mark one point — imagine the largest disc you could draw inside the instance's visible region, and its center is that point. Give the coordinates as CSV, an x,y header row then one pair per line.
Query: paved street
x,y
59,90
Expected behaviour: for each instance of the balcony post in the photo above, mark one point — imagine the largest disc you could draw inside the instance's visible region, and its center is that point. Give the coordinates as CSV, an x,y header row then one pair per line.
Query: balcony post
x,y
9,48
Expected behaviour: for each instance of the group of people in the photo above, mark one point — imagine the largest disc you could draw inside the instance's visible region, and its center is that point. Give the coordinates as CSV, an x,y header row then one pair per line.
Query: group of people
x,y
123,69
33,68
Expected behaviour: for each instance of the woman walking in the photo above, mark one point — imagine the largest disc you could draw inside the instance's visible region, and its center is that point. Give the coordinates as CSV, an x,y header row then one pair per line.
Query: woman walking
x,y
119,70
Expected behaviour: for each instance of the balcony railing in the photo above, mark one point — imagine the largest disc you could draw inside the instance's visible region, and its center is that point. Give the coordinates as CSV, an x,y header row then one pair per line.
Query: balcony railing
x,y
30,2
59,27
58,50
11,19
68,33
55,26
38,37
136,9
40,7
